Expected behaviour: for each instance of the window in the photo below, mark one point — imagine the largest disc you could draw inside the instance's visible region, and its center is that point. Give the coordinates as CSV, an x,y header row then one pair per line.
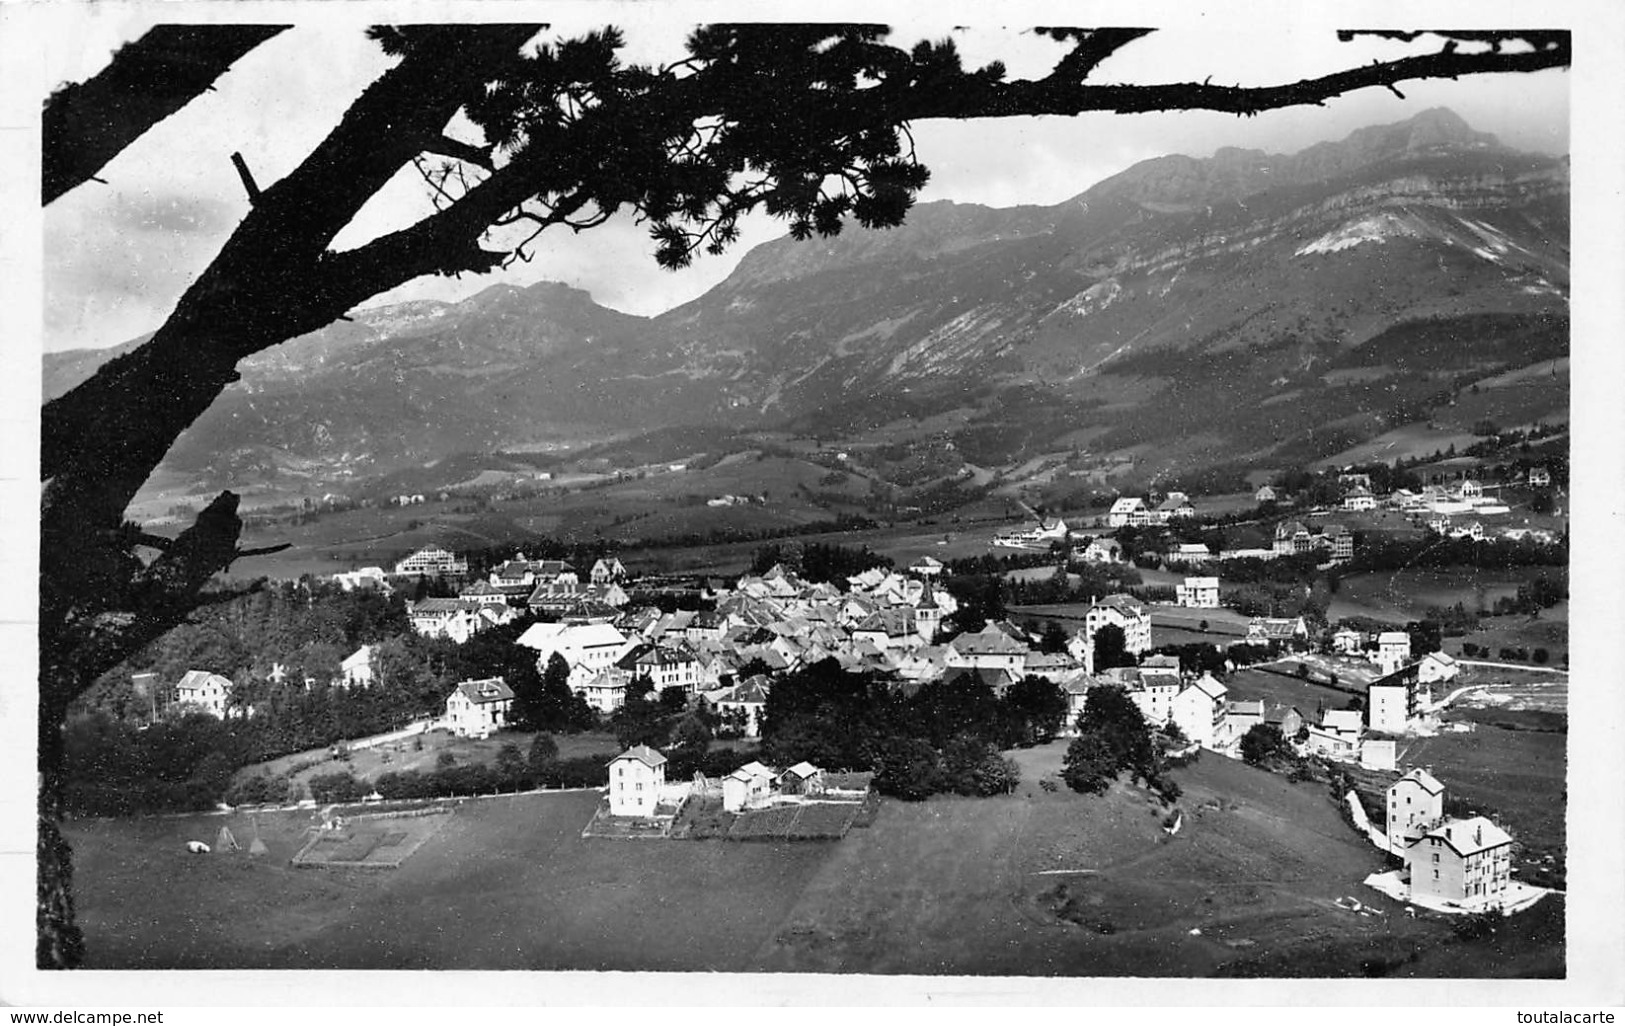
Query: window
x,y
1435,874
1435,856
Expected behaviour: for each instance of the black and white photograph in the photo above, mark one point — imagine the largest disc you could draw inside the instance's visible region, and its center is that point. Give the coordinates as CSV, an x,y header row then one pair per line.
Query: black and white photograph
x,y
849,496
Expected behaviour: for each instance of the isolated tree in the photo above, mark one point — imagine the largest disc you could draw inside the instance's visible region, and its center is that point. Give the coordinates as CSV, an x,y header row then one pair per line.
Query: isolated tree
x,y
1262,743
544,751
806,122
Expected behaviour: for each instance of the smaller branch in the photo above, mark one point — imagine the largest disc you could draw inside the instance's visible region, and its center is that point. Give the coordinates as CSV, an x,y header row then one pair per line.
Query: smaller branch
x,y
247,176
268,549
445,146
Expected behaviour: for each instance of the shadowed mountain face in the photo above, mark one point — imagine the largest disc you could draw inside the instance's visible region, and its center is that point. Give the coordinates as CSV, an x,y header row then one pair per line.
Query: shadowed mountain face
x,y
1246,307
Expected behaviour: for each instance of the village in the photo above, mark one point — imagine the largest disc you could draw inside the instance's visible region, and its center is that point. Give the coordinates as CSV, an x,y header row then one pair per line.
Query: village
x,y
899,625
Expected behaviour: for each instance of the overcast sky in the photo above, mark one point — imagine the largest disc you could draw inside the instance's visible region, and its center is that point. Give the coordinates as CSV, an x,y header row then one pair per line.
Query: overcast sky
x,y
118,256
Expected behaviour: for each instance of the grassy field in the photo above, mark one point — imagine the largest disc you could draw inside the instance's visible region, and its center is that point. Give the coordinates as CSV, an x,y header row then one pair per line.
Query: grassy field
x,y
1251,685
1521,774
952,885
1404,595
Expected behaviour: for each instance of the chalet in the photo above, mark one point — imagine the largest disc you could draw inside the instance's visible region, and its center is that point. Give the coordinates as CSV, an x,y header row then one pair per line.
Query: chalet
x,y
635,779
357,668
1415,805
803,778
1176,506
749,786
607,571
1460,862
1124,511
1198,593
1040,535
1359,498
1540,477
1437,668
1348,641
202,691
605,690
746,700
1264,494
1337,735
1102,550
478,708
1471,489
1284,718
433,561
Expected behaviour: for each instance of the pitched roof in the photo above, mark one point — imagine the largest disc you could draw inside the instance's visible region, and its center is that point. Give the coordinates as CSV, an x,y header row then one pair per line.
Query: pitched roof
x,y
801,769
641,753
1423,779
988,641
1341,720
491,689
1210,686
1246,709
443,606
193,680
1467,836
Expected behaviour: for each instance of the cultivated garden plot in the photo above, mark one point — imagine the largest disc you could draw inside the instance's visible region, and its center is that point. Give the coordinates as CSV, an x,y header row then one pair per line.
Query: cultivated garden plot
x,y
372,841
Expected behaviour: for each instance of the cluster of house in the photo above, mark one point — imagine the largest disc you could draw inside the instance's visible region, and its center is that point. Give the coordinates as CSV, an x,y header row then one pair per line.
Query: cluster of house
x,y
1134,511
1034,536
1448,861
544,585
638,785
885,621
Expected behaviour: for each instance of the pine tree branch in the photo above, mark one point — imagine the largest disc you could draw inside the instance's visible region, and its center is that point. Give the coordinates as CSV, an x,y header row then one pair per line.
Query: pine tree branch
x,y
86,125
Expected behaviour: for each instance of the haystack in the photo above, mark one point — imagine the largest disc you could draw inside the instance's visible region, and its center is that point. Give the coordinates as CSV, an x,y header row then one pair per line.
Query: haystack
x,y
225,842
256,847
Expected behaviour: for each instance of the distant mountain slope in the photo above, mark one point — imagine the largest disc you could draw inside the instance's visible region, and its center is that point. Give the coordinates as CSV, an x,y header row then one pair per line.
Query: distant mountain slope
x,y
1185,310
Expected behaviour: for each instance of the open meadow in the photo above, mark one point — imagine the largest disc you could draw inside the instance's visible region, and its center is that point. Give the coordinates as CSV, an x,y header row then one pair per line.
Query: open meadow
x,y
1036,883
1402,595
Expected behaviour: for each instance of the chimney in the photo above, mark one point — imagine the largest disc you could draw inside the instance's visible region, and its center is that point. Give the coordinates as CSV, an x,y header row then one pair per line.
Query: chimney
x,y
1478,834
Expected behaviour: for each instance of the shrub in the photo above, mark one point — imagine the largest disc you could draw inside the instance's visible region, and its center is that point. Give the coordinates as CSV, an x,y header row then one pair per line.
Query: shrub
x,y
336,787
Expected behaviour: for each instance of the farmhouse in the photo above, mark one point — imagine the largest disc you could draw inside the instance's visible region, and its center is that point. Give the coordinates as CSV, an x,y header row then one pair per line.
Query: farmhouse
x,y
1436,668
202,691
1461,861
478,708
1359,498
1264,494
749,786
635,779
925,566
